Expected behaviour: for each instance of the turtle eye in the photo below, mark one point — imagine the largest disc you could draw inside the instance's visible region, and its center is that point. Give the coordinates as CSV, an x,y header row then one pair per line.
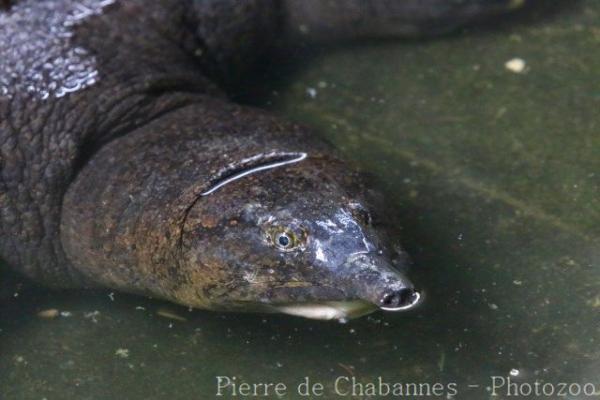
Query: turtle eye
x,y
284,239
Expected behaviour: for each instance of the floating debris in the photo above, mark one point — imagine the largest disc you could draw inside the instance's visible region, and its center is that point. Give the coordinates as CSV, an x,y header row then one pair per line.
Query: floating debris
x,y
92,316
348,368
50,313
20,360
442,361
166,313
595,302
123,353
311,92
516,65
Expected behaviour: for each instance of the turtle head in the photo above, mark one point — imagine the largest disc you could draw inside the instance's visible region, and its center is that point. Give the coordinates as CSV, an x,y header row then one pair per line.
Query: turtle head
x,y
292,237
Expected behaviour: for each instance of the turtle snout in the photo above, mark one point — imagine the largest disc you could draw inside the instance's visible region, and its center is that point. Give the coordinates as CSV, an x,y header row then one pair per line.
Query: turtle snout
x,y
373,279
399,299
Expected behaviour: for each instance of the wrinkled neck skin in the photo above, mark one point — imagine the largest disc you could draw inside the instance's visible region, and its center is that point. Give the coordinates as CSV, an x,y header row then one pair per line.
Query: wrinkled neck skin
x,y
122,216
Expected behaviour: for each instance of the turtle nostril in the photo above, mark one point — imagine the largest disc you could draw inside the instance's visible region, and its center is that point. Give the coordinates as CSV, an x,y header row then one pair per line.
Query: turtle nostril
x,y
402,299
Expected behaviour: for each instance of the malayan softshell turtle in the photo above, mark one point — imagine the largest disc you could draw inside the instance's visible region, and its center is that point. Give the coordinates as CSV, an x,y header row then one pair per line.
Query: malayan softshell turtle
x,y
124,165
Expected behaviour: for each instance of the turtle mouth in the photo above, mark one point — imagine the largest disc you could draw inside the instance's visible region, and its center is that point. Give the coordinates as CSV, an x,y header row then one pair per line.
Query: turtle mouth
x,y
327,310
340,310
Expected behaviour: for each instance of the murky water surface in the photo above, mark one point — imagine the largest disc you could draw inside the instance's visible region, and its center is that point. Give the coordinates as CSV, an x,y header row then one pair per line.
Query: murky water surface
x,y
494,174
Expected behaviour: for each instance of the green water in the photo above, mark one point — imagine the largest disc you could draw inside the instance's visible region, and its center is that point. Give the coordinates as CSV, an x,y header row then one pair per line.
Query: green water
x,y
495,178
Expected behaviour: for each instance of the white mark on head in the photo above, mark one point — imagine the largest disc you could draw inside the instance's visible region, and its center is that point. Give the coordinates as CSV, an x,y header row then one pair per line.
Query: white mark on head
x,y
330,226
320,254
289,158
